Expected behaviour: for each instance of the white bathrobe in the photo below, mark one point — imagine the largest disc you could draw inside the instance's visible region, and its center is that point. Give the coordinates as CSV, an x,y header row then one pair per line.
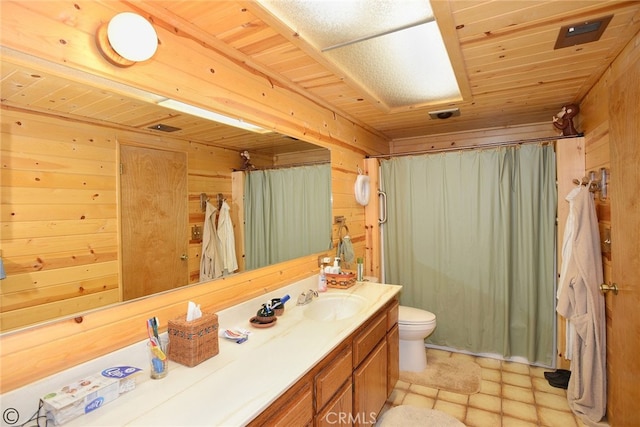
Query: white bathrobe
x,y
211,261
227,240
580,301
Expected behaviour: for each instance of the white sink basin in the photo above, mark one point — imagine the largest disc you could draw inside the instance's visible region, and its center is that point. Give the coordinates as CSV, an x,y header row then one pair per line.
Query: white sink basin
x,y
334,306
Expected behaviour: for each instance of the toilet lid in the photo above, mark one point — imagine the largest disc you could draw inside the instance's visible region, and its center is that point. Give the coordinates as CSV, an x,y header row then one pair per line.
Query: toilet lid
x,y
411,315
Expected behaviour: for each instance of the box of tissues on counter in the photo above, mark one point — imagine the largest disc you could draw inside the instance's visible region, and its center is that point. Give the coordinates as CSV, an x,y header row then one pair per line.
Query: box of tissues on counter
x,y
88,394
193,338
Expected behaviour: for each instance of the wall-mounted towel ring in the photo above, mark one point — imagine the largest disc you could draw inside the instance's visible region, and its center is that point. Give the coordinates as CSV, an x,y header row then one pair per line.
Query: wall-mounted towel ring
x,y
362,189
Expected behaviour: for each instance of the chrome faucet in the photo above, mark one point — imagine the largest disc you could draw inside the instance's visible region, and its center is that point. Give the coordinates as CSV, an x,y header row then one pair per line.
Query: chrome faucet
x,y
306,297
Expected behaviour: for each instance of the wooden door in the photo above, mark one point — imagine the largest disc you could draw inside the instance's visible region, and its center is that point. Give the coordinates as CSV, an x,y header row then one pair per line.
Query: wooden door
x,y
154,218
624,139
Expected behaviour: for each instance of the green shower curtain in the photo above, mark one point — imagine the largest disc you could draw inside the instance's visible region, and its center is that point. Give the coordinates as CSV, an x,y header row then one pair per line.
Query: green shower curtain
x,y
287,213
471,237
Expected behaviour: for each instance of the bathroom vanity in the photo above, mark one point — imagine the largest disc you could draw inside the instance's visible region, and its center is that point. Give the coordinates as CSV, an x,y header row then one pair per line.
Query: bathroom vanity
x,y
350,385
305,370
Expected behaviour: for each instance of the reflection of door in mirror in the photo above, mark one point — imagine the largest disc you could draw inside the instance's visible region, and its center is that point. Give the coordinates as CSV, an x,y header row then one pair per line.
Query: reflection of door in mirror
x,y
154,214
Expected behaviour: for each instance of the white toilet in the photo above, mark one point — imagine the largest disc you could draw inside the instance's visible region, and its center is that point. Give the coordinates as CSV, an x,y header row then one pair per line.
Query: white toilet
x,y
414,325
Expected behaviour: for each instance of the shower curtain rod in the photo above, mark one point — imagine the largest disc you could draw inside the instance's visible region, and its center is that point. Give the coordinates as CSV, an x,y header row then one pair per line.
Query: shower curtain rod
x,y
292,165
490,145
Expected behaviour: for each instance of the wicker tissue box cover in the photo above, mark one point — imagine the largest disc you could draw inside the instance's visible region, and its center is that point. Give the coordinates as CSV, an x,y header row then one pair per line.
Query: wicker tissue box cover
x,y
343,280
191,343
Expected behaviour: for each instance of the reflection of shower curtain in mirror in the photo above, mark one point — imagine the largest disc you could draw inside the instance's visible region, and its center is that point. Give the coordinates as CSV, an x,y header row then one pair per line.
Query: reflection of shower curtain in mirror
x,y
287,213
471,237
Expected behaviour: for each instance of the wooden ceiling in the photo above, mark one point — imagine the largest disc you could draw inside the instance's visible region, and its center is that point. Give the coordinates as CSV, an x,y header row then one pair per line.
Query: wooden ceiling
x,y
502,52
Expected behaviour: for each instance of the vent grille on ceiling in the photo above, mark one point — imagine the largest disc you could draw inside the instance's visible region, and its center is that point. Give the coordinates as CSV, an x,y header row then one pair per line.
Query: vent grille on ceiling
x,y
583,32
164,128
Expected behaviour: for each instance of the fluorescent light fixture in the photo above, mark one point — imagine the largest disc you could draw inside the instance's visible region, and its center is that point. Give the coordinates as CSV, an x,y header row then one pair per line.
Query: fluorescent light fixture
x,y
392,49
210,115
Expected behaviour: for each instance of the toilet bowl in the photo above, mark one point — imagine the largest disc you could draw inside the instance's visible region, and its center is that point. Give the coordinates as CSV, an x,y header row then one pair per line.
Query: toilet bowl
x,y
414,325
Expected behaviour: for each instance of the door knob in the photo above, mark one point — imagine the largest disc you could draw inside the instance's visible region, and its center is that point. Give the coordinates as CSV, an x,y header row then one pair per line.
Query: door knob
x,y
184,257
604,288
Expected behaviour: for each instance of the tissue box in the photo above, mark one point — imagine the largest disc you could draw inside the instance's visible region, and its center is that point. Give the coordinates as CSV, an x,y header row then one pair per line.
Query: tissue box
x,y
191,343
88,394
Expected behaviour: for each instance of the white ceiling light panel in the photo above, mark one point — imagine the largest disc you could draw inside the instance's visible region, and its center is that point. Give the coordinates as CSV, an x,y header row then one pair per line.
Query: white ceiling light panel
x,y
392,48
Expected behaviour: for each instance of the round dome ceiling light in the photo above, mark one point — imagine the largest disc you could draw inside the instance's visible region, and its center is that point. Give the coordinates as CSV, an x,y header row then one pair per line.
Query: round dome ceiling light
x,y
128,38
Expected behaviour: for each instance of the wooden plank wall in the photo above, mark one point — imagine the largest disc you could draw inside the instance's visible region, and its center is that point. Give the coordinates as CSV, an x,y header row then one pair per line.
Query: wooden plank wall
x,y
183,67
60,216
594,121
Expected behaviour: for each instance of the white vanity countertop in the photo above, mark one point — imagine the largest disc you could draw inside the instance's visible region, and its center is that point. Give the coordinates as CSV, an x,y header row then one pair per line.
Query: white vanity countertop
x,y
235,386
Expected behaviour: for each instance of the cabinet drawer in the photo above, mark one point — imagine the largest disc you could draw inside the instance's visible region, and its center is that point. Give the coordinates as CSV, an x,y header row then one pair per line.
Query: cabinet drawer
x,y
366,340
392,315
329,379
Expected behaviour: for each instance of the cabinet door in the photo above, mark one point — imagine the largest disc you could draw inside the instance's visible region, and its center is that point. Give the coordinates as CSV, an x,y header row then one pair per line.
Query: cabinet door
x,y
332,377
339,411
370,386
297,412
393,352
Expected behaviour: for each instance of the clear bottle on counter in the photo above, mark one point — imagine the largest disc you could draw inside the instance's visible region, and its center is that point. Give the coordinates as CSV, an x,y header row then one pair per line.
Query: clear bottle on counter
x,y
360,270
322,280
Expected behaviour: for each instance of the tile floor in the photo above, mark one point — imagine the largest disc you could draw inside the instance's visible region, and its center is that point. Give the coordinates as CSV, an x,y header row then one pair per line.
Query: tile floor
x,y
511,394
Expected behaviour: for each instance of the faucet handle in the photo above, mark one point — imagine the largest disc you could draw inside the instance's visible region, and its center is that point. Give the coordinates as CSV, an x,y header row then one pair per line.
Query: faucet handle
x,y
302,299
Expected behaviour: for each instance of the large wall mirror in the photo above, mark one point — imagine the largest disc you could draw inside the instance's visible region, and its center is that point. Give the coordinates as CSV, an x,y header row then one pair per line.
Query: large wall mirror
x,y
104,189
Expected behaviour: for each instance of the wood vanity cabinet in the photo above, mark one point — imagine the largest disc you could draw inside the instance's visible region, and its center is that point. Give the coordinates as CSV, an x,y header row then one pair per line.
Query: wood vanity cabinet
x,y
393,346
350,385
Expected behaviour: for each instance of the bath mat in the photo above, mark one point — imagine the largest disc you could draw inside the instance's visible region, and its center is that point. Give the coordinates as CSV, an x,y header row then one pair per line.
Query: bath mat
x,y
450,374
412,416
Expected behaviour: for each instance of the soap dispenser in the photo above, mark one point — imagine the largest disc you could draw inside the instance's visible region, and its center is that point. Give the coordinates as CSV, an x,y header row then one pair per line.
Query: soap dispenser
x,y
336,266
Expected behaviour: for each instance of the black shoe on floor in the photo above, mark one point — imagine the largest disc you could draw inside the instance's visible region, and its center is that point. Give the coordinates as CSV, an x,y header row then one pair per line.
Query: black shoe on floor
x,y
559,373
560,382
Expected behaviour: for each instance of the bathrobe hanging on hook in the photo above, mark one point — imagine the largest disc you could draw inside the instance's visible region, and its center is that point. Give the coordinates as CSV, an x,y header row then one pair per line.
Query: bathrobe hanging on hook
x,y
579,300
227,240
211,265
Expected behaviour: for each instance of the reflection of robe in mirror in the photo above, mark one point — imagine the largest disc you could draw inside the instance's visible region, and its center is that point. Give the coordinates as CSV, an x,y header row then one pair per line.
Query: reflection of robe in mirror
x,y
211,260
227,240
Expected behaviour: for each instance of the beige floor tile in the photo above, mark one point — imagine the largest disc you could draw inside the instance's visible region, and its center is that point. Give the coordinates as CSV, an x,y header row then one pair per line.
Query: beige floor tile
x,y
462,356
453,409
511,395
425,391
538,372
518,368
516,379
462,399
515,422
542,384
486,402
479,418
487,362
491,374
402,384
519,394
418,400
397,396
490,387
523,411
553,401
435,353
552,418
